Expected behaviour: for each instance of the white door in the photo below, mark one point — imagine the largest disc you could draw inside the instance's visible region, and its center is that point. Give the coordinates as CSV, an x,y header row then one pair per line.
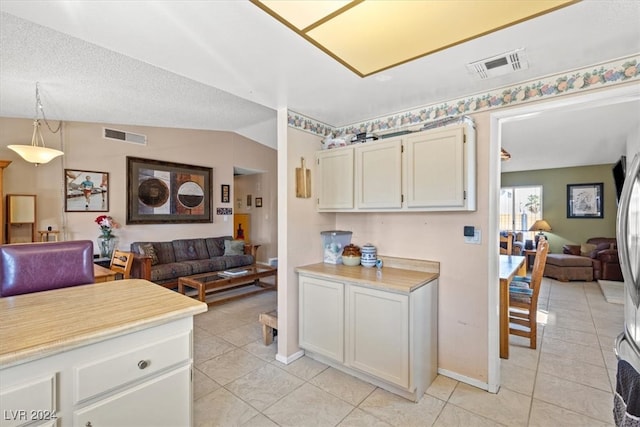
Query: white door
x,y
378,334
321,317
379,175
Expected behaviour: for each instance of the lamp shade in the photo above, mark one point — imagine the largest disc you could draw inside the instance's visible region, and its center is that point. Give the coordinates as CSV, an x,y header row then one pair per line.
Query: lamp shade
x,y
35,154
540,225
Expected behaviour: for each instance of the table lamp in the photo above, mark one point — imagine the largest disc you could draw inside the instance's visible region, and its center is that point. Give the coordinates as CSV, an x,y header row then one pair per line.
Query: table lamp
x,y
540,225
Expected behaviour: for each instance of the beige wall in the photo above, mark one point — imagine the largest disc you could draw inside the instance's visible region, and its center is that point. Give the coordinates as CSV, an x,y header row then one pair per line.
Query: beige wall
x,y
463,304
85,149
554,201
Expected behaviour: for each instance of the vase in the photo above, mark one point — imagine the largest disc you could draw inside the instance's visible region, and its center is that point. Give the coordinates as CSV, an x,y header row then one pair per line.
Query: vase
x,y
107,242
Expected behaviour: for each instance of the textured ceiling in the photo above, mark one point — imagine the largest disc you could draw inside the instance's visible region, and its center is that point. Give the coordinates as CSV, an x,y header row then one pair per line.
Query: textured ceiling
x,y
227,65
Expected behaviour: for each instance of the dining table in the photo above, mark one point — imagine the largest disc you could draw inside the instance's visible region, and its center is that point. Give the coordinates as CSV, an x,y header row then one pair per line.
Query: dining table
x,y
510,266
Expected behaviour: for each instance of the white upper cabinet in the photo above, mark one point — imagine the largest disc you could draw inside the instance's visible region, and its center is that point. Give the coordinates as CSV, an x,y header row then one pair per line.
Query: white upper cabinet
x,y
432,170
379,175
335,179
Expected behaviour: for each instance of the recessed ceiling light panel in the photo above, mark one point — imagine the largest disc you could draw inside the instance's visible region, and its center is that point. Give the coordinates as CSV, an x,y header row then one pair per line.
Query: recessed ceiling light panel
x,y
368,36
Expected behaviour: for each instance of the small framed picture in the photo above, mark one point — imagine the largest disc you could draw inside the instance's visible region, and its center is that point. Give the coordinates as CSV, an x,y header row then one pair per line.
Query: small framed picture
x,y
224,193
248,200
258,202
585,201
86,191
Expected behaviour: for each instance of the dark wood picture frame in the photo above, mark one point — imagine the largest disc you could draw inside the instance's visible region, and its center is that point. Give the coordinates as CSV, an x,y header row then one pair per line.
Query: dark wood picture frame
x,y
225,190
86,191
165,192
585,200
258,202
248,200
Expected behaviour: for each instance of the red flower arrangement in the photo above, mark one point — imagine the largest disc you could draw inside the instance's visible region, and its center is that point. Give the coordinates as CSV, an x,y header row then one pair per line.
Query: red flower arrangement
x,y
107,224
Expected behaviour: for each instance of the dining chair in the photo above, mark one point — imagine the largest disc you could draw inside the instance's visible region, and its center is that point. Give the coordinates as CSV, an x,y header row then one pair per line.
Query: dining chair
x,y
508,243
523,299
121,262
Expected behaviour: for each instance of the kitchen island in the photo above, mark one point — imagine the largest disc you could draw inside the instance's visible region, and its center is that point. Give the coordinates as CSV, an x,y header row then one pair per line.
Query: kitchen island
x,y
379,325
113,353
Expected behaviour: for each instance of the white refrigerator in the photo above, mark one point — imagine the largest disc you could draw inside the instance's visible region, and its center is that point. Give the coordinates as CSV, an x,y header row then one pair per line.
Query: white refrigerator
x,y
627,396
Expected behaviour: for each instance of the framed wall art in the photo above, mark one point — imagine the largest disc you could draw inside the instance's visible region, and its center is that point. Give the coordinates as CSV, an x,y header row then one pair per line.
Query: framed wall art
x,y
165,192
224,193
585,201
258,202
86,191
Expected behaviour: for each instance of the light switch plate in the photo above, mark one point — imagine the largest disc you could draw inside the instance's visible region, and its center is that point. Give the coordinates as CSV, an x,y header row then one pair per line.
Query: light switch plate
x,y
476,239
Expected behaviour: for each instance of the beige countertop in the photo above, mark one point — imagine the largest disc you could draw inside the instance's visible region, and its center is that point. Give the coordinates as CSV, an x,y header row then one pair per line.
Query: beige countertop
x,y
41,324
388,278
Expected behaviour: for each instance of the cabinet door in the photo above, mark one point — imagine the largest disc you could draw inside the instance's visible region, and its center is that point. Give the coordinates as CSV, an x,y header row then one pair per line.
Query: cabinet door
x,y
335,179
435,172
378,334
162,401
379,175
321,317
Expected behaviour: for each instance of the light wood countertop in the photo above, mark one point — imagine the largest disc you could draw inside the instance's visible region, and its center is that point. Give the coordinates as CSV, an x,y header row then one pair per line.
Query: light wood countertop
x,y
388,278
41,324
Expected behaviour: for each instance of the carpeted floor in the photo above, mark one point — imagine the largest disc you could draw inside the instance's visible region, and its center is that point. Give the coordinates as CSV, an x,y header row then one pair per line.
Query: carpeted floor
x,y
613,291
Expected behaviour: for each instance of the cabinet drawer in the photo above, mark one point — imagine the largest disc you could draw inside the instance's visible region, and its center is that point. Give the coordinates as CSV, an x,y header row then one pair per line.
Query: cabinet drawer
x,y
106,374
27,402
163,401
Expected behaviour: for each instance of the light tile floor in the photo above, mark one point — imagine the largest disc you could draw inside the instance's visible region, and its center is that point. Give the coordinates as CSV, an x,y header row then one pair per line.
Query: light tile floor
x,y
567,381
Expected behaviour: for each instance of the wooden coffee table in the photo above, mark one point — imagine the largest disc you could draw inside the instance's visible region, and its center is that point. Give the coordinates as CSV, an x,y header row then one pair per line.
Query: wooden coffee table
x,y
220,287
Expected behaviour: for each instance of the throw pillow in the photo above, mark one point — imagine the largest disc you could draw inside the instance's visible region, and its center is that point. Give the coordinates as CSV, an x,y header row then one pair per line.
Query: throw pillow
x,y
148,250
233,247
586,249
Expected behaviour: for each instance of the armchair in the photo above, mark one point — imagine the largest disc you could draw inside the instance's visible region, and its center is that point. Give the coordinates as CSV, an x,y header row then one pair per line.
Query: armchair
x,y
603,252
517,244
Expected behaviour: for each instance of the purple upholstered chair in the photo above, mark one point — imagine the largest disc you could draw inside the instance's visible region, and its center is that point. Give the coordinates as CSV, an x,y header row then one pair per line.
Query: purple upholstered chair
x,y
35,267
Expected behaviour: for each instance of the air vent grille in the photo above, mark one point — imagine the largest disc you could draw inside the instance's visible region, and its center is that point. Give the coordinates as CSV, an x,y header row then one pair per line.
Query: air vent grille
x,y
499,65
119,135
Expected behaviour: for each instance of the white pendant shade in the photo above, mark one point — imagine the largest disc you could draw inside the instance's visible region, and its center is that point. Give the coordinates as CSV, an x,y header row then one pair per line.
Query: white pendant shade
x,y
36,154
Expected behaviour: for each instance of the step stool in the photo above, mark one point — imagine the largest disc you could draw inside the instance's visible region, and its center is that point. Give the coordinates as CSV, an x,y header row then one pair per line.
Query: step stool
x,y
269,326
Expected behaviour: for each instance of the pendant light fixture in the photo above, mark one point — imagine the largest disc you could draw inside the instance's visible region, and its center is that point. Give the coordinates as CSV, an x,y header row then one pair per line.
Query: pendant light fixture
x,y
37,153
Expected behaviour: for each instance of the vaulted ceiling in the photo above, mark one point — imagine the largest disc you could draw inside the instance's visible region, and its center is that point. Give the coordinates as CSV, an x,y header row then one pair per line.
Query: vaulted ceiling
x,y
228,65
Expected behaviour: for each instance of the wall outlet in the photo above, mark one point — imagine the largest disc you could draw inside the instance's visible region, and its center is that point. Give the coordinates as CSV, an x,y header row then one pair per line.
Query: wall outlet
x,y
476,239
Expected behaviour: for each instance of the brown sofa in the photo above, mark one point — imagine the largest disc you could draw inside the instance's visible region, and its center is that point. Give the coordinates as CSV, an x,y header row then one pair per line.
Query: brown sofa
x,y
184,257
603,254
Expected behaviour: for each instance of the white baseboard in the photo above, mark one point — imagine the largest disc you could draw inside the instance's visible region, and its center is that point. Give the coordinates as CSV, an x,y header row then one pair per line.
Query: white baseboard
x,y
286,360
462,378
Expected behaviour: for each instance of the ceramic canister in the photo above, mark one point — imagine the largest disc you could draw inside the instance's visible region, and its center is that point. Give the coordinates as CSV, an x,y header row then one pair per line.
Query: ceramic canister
x,y
368,255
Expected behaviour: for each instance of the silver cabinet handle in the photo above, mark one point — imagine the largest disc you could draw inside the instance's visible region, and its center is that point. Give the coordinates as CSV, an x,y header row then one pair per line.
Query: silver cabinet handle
x,y
143,364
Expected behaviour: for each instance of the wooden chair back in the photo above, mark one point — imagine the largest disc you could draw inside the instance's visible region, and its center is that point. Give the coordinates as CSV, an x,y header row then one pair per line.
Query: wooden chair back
x,y
508,240
523,307
121,262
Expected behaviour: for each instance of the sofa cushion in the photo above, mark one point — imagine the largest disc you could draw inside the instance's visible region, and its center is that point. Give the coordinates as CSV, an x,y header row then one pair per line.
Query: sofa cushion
x,y
233,247
148,250
215,245
232,261
190,249
206,265
164,250
586,249
173,270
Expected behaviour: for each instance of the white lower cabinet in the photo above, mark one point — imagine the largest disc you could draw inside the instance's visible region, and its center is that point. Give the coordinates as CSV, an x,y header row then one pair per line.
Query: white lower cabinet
x,y
378,333
142,378
321,322
384,337
138,406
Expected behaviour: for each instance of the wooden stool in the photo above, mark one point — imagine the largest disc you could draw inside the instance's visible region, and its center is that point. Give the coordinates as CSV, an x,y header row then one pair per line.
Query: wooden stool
x,y
269,324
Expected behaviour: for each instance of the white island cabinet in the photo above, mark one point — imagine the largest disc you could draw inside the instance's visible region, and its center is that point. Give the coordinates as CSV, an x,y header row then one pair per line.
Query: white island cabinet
x,y
112,354
378,325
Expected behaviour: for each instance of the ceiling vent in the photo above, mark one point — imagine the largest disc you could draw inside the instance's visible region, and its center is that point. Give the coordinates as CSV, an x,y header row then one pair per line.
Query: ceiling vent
x,y
119,135
500,65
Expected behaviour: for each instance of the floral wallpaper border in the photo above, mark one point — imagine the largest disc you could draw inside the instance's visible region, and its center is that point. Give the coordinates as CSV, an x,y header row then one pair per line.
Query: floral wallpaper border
x,y
597,76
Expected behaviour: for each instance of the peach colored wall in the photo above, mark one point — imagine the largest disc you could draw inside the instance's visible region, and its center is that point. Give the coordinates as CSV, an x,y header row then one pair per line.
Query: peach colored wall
x,y
463,287
463,295
85,149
